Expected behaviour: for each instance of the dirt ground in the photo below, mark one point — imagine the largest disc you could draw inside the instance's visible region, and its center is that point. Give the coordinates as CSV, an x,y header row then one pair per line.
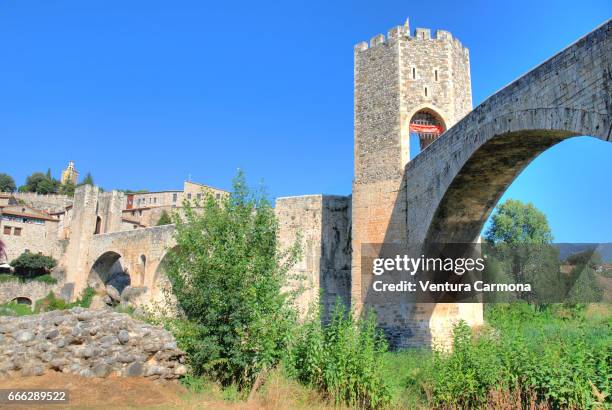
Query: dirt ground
x,y
114,393
141,393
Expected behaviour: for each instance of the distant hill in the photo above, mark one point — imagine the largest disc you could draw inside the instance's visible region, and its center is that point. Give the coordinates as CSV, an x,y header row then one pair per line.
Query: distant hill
x,y
567,249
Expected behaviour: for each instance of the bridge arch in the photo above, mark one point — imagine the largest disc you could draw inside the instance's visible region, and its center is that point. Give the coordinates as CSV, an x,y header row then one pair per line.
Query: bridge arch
x,y
453,185
495,162
109,268
22,300
160,282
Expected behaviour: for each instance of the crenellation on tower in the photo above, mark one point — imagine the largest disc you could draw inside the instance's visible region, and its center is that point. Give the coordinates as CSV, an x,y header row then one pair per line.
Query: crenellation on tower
x,y
377,39
422,33
443,35
398,31
361,46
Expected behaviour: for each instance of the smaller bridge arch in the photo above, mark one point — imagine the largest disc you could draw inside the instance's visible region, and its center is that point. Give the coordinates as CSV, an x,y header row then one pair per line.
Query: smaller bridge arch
x,y
22,300
109,268
137,253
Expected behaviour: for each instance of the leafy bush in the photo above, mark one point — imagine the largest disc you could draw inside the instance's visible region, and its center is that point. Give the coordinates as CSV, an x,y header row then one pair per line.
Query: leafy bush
x,y
227,276
164,219
52,302
344,359
29,265
532,355
48,279
85,299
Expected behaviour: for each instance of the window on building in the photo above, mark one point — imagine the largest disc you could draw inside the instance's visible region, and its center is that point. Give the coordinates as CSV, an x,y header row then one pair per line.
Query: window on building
x,y
188,196
7,230
199,196
174,197
155,200
218,196
425,91
413,73
436,74
17,231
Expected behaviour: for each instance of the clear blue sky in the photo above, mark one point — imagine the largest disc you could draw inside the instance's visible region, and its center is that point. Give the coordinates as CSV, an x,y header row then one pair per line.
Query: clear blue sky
x,y
145,93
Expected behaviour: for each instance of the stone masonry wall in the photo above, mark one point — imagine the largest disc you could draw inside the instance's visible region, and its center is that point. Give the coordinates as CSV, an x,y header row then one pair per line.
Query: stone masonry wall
x,y
89,343
34,237
32,290
109,209
323,224
49,203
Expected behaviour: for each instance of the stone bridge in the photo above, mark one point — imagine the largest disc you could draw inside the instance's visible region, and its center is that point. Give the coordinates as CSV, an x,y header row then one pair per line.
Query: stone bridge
x,y
445,194
455,183
138,253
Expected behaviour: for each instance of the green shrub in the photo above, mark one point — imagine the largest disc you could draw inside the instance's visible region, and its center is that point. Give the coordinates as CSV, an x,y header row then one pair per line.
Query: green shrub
x,y
344,359
164,219
85,299
51,302
48,279
29,265
539,356
228,275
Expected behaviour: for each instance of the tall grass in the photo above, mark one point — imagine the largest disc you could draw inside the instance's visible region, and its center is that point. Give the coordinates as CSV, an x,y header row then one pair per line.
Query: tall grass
x,y
343,360
555,357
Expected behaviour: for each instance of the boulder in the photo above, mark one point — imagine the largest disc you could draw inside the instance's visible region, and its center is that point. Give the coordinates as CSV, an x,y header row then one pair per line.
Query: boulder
x,y
113,293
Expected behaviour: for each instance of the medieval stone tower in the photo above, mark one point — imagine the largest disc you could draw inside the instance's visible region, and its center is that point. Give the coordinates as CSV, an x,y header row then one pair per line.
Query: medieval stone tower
x,y
407,83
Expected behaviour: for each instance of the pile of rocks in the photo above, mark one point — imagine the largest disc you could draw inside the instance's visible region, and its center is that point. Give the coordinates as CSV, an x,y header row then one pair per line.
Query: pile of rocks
x,y
128,297
87,342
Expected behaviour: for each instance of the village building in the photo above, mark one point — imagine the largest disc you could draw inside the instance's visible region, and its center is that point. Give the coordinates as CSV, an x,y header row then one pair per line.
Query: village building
x,y
70,174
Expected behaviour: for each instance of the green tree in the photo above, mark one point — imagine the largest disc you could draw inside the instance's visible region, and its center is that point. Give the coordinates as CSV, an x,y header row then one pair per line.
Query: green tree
x,y
39,183
517,222
29,265
582,285
164,219
67,188
7,183
521,238
88,180
227,276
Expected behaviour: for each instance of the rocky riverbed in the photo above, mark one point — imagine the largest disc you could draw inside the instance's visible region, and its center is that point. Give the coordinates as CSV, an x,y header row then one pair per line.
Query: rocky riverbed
x,y
87,342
